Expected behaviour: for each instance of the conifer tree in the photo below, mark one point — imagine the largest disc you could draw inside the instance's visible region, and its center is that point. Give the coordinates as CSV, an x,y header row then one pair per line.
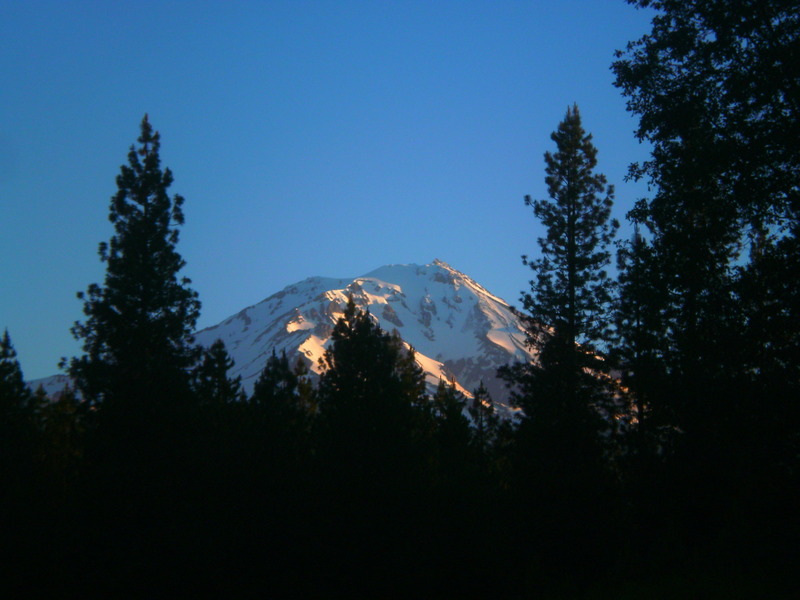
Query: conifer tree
x,y
366,446
716,87
18,435
561,451
63,423
211,382
277,382
568,301
137,336
306,388
284,392
571,291
455,464
368,392
15,397
23,492
639,319
367,368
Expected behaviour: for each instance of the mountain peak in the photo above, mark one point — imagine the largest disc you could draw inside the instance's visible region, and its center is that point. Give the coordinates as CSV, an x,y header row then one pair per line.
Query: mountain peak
x,y
460,332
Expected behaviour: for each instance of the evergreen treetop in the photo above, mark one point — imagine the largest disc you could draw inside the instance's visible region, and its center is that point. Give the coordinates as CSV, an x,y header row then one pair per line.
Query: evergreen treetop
x,y
286,392
137,337
14,394
572,290
211,382
366,365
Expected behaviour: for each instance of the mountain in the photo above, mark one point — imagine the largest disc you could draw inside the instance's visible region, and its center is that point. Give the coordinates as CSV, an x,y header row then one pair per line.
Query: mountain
x,y
460,331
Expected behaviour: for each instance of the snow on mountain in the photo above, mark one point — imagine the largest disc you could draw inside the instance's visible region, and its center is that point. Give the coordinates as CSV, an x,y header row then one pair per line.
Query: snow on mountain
x,y
459,330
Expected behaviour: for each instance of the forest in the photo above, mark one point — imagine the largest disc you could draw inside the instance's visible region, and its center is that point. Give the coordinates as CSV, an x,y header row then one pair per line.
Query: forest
x,y
657,450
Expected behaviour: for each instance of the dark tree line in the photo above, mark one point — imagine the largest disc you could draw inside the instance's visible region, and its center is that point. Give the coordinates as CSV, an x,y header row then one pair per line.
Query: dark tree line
x,y
715,85
655,453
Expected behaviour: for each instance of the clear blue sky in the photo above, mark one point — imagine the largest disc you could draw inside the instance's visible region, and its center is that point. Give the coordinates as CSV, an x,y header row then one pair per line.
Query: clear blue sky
x,y
308,138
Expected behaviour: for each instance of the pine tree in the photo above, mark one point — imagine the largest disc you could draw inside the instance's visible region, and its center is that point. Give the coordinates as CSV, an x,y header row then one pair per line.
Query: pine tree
x,y
571,291
18,433
284,392
277,383
368,392
716,87
15,397
568,301
367,450
562,447
306,388
453,429
367,369
63,423
211,382
137,337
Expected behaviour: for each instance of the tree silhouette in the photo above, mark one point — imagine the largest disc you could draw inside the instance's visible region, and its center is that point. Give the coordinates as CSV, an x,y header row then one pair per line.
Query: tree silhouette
x,y
137,337
571,291
562,444
285,392
715,86
15,397
141,452
639,351
210,377
370,380
568,301
17,422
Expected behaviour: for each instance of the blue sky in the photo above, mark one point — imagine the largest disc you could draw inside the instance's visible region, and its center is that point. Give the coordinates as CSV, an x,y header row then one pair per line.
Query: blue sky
x,y
308,138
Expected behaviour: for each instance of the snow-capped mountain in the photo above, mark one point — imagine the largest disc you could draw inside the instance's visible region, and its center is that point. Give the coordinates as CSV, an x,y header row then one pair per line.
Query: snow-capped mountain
x,y
459,330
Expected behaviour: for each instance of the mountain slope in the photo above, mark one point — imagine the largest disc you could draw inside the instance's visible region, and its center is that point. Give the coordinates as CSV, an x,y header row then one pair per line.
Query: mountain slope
x,y
459,330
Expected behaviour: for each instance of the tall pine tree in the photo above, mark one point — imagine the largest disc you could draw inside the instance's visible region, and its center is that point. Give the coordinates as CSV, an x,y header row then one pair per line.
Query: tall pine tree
x,y
568,301
137,337
716,87
141,453
562,443
571,291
